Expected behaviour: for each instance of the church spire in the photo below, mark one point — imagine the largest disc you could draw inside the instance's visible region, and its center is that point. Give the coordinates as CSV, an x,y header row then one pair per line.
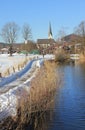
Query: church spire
x,y
50,32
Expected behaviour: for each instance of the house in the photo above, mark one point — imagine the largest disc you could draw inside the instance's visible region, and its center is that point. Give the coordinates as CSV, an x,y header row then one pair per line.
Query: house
x,y
45,43
72,38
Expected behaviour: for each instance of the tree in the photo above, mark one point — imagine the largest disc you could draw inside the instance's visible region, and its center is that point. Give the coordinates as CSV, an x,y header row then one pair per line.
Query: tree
x,y
9,32
26,32
29,46
80,30
61,34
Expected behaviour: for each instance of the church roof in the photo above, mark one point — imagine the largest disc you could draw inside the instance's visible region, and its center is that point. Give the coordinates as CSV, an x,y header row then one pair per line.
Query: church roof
x,y
45,41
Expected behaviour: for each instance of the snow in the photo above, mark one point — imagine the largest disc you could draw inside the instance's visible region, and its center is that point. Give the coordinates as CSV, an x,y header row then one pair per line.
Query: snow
x,y
13,85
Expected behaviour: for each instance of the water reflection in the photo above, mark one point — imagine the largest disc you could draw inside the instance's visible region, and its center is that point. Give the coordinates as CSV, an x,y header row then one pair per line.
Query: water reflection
x,y
69,110
70,107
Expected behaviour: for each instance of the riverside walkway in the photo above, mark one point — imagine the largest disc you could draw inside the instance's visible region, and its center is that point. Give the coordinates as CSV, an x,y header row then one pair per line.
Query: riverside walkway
x,y
6,80
14,84
13,87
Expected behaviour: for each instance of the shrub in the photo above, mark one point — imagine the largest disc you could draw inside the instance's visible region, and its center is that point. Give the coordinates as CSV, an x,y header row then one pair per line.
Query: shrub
x,y
61,57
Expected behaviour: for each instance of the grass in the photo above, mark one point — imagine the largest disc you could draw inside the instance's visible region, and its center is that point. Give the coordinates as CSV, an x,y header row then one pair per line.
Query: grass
x,y
61,56
40,99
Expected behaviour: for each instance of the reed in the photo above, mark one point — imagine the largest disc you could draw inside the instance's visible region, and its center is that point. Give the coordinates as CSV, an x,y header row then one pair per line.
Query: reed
x,y
38,101
61,56
42,93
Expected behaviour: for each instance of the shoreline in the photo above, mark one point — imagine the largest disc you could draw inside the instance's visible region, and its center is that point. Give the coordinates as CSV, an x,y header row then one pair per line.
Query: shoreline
x,y
45,98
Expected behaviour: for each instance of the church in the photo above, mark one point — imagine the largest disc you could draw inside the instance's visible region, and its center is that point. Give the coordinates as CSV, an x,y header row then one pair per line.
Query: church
x,y
46,44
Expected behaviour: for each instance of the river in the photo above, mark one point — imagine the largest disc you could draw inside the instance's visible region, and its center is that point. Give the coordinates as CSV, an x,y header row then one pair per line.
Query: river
x,y
69,110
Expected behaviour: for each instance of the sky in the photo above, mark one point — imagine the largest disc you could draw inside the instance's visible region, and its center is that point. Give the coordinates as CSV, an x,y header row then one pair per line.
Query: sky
x,y
62,14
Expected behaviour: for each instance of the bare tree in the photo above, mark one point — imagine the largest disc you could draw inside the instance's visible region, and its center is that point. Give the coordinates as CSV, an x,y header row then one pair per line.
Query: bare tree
x,y
80,30
9,32
61,33
31,45
26,32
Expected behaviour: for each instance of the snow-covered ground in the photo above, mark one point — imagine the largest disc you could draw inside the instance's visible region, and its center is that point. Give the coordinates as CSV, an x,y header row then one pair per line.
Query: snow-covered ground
x,y
13,85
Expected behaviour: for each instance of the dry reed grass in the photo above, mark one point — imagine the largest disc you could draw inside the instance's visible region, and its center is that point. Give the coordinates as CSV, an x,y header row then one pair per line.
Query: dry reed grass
x,y
61,56
39,100
82,58
44,82
41,96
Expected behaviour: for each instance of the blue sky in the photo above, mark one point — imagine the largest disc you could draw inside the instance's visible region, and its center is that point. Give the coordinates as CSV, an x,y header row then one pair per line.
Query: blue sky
x,y
38,13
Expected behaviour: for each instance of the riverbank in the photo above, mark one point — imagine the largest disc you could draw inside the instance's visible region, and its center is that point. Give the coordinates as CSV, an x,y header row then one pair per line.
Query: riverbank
x,y
69,110
39,100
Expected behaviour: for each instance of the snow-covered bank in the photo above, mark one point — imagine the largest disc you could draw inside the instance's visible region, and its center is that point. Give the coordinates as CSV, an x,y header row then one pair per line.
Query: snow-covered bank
x,y
13,91
9,99
7,62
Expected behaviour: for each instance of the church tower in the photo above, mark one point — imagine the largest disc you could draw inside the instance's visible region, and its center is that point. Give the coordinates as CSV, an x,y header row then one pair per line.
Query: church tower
x,y
50,32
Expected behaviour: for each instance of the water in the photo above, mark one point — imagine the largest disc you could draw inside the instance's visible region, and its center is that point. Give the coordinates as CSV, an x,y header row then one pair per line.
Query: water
x,y
69,111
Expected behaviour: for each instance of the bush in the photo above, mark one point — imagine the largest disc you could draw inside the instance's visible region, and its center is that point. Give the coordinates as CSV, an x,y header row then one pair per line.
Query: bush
x,y
61,57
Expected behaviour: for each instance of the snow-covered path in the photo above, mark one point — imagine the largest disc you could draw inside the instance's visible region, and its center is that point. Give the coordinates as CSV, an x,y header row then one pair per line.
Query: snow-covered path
x,y
9,97
15,76
18,78
12,92
12,87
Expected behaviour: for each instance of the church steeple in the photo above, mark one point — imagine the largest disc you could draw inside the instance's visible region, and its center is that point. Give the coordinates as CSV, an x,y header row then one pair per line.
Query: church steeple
x,y
50,32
